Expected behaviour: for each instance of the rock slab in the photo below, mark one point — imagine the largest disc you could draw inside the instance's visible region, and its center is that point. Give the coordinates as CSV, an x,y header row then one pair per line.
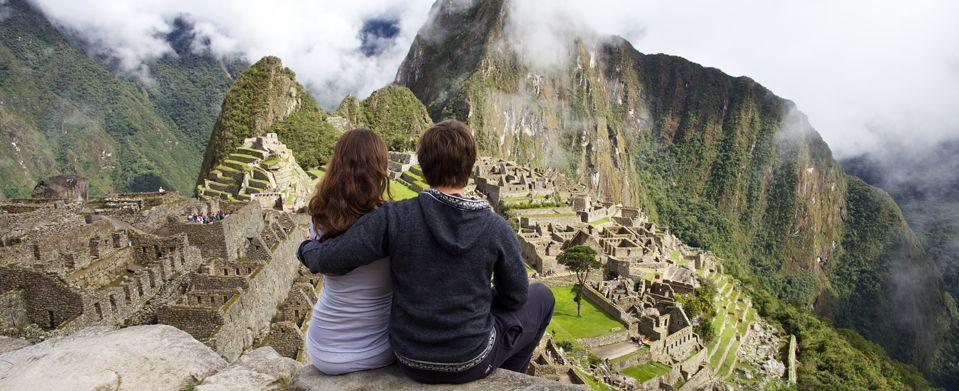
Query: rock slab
x,y
8,344
391,378
259,369
155,357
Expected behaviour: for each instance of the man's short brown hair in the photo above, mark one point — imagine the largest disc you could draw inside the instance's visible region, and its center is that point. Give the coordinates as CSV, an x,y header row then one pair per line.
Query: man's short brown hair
x,y
447,152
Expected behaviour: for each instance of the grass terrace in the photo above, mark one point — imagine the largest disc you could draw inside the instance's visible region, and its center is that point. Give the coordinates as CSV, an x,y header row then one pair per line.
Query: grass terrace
x,y
417,179
566,324
401,192
646,371
601,221
728,325
316,173
678,258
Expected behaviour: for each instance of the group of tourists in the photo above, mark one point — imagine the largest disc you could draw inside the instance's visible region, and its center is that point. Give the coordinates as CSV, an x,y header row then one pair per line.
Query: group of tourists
x,y
409,281
209,218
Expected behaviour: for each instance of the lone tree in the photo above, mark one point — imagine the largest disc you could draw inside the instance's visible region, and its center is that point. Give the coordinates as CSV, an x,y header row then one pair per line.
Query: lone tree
x,y
581,260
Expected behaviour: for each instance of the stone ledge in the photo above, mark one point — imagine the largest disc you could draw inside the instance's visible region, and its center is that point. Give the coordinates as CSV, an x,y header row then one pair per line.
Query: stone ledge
x,y
308,378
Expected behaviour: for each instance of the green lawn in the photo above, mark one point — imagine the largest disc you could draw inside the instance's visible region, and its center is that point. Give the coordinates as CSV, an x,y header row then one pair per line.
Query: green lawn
x,y
646,371
417,179
317,173
401,192
529,270
593,322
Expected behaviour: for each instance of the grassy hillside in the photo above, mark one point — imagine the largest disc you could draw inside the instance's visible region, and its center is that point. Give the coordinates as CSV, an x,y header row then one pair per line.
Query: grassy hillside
x,y
64,112
722,161
393,112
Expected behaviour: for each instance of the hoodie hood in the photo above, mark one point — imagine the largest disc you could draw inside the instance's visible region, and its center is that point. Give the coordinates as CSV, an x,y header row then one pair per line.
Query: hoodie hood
x,y
456,223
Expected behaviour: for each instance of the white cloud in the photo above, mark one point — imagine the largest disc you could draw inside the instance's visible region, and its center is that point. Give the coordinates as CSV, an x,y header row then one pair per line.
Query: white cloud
x,y
864,71
319,40
4,10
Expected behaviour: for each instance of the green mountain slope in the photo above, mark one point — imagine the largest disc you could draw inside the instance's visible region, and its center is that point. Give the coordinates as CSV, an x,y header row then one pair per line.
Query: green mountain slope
x,y
64,112
722,161
393,112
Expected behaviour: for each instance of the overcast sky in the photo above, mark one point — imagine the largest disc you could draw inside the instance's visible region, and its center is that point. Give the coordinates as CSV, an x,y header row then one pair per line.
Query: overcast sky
x,y
867,73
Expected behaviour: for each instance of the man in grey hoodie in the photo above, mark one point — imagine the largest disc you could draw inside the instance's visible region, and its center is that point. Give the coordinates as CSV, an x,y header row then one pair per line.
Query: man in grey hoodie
x,y
447,323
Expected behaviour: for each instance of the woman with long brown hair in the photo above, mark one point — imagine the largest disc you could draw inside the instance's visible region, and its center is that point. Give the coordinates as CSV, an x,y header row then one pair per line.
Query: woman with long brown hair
x,y
349,328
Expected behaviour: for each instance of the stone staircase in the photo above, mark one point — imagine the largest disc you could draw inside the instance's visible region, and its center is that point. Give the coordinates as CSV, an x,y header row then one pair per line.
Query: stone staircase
x,y
238,177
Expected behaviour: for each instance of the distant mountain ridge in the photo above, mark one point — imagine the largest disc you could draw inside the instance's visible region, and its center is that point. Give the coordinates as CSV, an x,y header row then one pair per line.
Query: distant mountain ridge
x,y
924,181
65,112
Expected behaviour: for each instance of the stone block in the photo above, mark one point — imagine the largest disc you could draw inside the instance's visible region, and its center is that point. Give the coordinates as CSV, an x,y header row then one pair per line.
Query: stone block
x,y
308,378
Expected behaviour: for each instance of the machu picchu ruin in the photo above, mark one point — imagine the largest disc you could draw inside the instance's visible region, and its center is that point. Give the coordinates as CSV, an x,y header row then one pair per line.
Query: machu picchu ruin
x,y
222,268
263,170
650,342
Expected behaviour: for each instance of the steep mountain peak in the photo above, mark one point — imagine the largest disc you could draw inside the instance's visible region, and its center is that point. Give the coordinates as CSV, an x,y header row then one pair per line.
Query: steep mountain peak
x,y
266,98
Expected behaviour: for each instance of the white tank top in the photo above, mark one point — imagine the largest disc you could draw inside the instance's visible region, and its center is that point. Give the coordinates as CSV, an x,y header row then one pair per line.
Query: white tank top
x,y
350,321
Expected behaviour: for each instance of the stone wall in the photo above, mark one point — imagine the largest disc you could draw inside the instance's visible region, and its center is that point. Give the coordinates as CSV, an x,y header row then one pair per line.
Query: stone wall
x,y
197,321
249,316
681,343
286,338
158,261
692,364
225,239
560,219
634,359
48,300
698,380
604,339
792,359
13,308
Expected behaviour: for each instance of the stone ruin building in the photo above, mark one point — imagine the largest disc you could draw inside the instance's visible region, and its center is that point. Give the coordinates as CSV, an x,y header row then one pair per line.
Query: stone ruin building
x,y
400,162
652,317
549,362
644,268
136,258
262,170
87,272
501,180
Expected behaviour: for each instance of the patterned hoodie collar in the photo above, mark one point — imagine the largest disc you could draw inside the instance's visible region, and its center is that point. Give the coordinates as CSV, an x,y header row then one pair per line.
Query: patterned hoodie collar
x,y
457,202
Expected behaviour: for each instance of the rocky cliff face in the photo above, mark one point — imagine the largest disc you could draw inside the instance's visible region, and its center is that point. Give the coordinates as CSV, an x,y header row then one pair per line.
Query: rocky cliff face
x,y
722,161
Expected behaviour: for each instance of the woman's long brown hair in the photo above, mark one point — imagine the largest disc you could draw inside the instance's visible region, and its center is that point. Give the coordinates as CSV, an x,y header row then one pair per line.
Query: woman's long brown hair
x,y
356,178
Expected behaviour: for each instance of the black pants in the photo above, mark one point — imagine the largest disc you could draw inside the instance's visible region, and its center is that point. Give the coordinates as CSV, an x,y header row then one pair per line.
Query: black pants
x,y
517,335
